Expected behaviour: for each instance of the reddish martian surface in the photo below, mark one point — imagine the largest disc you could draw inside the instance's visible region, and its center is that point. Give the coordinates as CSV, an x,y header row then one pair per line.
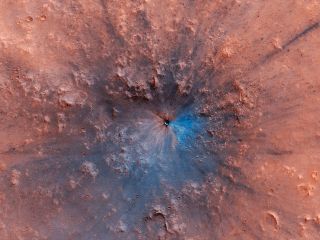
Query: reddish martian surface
x,y
159,120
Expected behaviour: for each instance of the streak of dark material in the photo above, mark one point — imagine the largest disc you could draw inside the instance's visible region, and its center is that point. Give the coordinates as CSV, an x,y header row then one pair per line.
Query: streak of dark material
x,y
293,40
306,31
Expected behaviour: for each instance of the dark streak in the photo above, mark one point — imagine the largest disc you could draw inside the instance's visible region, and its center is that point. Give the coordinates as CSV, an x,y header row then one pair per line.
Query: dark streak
x,y
142,17
238,185
290,42
301,34
110,27
279,152
112,31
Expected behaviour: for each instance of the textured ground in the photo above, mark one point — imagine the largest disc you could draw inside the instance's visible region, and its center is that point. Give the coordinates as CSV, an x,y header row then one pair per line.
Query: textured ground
x,y
171,119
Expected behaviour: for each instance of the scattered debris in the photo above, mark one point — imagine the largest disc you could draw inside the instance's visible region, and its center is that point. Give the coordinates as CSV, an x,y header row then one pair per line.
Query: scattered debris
x,y
15,177
89,169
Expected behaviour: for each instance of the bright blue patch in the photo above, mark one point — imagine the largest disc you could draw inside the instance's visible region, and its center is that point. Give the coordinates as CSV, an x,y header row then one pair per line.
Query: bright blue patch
x,y
186,126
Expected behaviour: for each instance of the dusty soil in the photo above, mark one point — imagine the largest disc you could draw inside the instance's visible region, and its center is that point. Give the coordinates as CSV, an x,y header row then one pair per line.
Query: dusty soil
x,y
172,119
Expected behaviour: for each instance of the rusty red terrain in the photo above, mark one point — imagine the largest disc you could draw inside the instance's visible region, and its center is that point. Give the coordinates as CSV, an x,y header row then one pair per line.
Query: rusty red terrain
x,y
173,119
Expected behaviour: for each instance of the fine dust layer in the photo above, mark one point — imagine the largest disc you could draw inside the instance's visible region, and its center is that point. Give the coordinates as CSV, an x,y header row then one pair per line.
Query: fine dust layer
x,y
172,119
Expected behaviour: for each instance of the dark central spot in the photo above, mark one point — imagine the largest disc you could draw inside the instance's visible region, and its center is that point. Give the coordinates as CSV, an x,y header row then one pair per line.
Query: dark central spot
x,y
166,122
